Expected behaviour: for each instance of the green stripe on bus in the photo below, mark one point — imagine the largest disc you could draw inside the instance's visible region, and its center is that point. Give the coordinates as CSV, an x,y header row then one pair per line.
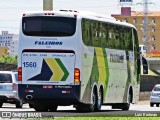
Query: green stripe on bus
x,y
107,72
66,73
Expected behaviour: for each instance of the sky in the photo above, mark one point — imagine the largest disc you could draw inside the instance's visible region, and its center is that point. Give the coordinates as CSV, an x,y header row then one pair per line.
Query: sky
x,y
12,10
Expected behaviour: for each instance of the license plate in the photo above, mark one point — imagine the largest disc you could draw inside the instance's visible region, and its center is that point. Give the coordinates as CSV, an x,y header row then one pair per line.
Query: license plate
x,y
8,87
47,86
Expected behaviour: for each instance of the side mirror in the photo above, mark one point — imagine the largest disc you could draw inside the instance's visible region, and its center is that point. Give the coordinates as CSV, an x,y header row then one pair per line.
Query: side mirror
x,y
145,65
145,69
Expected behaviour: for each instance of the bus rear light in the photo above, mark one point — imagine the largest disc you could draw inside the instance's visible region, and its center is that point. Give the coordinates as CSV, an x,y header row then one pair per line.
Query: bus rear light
x,y
24,14
47,86
76,76
20,74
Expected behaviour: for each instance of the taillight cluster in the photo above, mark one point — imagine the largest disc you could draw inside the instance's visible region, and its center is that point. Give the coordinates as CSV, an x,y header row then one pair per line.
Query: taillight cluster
x,y
153,88
20,74
76,76
15,86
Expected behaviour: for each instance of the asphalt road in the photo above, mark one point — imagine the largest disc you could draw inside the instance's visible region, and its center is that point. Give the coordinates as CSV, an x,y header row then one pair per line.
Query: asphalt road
x,y
140,109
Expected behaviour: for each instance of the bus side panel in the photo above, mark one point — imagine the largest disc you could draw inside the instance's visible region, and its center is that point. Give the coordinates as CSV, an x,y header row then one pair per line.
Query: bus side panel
x,y
109,68
95,71
88,59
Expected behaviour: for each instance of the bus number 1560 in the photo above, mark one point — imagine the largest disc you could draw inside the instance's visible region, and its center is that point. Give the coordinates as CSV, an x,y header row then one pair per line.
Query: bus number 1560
x,y
29,64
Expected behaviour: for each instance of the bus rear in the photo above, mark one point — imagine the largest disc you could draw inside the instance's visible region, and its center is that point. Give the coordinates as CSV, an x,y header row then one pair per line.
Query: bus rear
x,y
47,73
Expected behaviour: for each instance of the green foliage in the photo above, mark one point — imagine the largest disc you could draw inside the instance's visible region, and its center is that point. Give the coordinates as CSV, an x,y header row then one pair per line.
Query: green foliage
x,y
100,118
8,59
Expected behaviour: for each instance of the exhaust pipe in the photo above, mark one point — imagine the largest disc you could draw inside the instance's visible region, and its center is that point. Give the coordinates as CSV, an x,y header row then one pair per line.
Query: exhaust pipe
x,y
29,97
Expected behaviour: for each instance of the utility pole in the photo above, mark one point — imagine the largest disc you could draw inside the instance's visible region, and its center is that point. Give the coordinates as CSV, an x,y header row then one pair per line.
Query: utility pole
x,y
47,5
145,33
145,26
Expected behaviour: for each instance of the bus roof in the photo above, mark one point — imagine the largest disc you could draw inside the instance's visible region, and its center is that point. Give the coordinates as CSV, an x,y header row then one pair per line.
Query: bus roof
x,y
80,14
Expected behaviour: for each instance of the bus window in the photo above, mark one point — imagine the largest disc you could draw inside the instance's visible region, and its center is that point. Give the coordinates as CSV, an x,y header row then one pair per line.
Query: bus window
x,y
95,39
49,26
111,40
104,35
128,39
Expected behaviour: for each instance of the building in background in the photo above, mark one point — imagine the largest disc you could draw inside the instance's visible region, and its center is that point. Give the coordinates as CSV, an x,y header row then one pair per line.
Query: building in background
x,y
3,51
13,49
9,41
137,19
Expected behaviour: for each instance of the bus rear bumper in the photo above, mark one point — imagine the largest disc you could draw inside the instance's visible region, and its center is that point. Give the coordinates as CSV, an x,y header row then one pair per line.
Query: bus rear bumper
x,y
60,95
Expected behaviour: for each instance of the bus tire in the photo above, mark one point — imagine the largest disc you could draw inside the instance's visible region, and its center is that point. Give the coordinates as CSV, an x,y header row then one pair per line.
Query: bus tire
x,y
19,104
92,106
30,105
53,108
88,107
99,100
1,104
151,104
40,108
126,106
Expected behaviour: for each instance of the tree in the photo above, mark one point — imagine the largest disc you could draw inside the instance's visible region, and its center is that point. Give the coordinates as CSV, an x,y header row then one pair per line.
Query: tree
x,y
8,59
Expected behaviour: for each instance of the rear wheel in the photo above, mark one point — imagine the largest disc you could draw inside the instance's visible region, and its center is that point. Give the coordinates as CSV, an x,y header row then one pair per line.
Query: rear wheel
x,y
88,107
1,104
126,106
99,101
157,105
92,106
53,108
19,104
31,105
151,104
40,108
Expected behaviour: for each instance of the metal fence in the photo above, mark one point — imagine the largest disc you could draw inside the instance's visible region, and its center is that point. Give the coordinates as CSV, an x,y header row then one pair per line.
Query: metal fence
x,y
148,82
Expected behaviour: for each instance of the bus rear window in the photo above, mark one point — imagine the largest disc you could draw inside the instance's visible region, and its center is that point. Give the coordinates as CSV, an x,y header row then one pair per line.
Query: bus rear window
x,y
48,26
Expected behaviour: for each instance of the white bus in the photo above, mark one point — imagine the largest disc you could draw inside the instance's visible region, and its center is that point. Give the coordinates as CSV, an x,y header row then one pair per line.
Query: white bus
x,y
77,58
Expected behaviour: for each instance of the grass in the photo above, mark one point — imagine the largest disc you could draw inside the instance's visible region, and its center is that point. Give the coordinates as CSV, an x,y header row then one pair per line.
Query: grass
x,y
101,118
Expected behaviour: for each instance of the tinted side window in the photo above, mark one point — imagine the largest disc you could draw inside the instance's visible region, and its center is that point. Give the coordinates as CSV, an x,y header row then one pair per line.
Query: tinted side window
x,y
87,32
136,54
107,35
128,39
